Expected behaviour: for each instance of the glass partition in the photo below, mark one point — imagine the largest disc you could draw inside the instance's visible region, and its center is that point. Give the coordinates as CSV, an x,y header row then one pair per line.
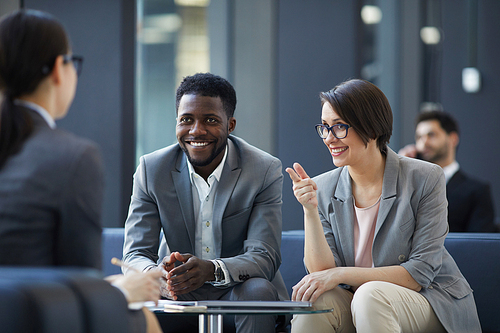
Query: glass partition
x,y
172,42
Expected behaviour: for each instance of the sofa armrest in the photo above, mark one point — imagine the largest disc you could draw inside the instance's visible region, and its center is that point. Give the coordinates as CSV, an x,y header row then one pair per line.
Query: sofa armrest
x,y
39,306
51,300
292,258
478,257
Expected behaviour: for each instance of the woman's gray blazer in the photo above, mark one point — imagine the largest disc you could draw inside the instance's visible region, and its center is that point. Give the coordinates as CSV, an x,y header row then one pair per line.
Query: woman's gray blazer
x,y
410,231
50,200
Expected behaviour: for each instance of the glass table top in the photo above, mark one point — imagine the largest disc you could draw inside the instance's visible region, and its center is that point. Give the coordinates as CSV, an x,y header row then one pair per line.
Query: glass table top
x,y
234,307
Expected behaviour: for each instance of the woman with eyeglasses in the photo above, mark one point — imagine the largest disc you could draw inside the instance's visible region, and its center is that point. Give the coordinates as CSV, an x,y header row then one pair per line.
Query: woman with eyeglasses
x,y
375,229
51,181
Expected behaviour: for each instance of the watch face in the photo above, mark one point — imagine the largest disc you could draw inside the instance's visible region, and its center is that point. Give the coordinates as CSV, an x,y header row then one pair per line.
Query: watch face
x,y
218,274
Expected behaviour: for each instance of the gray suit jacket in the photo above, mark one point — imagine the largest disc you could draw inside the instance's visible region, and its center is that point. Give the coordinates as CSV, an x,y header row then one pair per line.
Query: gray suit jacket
x,y
50,200
410,231
247,211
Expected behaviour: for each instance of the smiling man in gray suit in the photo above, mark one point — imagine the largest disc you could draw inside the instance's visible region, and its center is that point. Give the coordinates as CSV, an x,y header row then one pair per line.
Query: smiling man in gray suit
x,y
218,201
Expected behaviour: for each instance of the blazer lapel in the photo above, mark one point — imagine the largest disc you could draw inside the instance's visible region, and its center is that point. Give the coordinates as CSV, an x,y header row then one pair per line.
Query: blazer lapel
x,y
388,188
343,208
184,193
225,188
343,204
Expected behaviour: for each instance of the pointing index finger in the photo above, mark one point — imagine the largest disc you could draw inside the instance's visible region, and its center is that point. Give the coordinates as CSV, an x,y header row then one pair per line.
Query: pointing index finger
x,y
293,175
300,170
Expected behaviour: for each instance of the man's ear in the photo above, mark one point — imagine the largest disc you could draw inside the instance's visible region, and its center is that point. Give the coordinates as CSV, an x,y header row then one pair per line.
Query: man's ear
x,y
231,124
455,139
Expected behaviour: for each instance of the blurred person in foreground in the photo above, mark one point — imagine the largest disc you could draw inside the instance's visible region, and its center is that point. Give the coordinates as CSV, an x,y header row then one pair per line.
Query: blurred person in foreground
x,y
470,204
51,181
375,229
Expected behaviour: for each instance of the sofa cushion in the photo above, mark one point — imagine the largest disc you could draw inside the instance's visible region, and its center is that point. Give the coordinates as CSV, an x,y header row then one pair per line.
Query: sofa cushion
x,y
60,300
31,305
112,246
292,258
478,257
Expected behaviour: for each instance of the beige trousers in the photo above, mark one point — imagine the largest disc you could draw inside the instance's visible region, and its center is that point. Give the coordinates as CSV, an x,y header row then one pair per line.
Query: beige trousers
x,y
375,307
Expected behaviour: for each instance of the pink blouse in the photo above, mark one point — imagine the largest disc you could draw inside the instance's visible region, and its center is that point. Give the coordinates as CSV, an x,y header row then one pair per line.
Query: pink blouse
x,y
364,230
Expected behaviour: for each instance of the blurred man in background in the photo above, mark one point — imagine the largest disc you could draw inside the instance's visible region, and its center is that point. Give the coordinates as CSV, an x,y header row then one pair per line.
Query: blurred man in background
x,y
470,205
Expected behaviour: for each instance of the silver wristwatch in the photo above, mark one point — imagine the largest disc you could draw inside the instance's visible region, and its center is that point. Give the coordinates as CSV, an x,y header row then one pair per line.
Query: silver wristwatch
x,y
218,273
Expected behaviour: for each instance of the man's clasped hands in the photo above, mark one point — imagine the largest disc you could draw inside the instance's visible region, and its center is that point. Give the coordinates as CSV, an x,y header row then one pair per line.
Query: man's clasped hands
x,y
191,274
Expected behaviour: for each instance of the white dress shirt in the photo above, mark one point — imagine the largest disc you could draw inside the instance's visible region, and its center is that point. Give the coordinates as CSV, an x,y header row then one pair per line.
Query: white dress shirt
x,y
450,170
203,206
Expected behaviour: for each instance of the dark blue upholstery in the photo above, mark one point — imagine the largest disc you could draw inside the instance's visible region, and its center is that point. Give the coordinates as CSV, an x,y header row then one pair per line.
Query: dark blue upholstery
x,y
105,307
112,246
292,257
38,306
14,300
478,256
59,300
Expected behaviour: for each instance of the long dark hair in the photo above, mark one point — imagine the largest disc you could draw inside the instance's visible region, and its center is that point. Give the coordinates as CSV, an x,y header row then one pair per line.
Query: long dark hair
x,y
30,42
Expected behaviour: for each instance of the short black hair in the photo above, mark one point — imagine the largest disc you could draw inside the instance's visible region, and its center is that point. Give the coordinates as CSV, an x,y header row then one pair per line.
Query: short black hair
x,y
207,84
365,107
446,120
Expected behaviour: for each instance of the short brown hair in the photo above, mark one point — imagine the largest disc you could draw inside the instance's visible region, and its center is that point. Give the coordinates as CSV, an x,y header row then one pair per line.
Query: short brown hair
x,y
363,106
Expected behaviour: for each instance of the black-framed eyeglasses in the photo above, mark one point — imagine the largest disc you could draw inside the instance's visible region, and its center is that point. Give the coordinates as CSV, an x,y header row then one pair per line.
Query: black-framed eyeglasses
x,y
76,60
338,130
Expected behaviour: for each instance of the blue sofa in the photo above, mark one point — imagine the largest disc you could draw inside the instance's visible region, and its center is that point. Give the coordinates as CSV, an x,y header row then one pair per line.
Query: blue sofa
x,y
59,300
477,255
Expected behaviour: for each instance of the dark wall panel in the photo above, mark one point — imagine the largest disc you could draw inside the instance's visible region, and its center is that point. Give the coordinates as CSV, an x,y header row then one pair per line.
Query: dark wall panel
x,y
316,51
478,114
98,112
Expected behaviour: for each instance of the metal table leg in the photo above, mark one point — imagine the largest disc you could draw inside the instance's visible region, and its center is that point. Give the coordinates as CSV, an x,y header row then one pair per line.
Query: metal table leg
x,y
210,323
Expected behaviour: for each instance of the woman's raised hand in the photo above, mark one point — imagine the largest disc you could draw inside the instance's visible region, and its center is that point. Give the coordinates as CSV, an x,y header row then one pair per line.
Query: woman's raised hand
x,y
304,188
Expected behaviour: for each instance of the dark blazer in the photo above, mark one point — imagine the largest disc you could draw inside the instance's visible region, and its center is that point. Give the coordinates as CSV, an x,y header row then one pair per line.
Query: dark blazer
x,y
50,200
410,231
247,211
470,206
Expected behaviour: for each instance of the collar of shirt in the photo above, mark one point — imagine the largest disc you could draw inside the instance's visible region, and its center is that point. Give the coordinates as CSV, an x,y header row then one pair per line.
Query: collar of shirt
x,y
41,111
197,180
450,170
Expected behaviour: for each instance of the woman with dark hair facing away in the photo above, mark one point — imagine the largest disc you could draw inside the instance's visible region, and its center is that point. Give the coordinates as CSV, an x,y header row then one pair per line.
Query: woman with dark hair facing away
x,y
375,229
51,181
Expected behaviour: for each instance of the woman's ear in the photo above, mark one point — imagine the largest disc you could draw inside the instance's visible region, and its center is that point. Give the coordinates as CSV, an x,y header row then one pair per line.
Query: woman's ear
x,y
57,70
